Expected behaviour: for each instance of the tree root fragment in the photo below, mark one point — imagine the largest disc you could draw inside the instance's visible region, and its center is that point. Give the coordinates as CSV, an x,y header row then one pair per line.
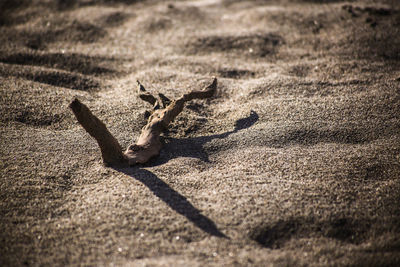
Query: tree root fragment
x,y
148,144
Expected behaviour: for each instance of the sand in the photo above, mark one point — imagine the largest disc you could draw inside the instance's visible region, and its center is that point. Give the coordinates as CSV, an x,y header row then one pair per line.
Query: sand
x,y
294,162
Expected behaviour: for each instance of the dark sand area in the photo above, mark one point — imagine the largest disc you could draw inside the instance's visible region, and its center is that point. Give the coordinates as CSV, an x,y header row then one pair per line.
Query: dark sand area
x,y
294,162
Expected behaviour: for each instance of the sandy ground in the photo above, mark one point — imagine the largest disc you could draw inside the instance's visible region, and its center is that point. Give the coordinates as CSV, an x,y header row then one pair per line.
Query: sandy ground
x,y
294,162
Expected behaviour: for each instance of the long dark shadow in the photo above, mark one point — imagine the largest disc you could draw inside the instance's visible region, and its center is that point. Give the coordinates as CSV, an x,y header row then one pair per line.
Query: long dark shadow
x,y
173,199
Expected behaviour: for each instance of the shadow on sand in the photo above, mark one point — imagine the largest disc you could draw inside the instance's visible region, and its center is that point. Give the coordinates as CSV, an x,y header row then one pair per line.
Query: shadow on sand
x,y
172,198
193,147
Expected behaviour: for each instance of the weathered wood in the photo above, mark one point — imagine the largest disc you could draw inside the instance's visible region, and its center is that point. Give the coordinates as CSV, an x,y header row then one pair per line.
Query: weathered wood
x,y
148,144
111,150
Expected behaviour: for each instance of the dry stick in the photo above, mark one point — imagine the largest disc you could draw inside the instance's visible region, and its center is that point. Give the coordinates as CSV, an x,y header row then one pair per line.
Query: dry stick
x,y
111,150
148,144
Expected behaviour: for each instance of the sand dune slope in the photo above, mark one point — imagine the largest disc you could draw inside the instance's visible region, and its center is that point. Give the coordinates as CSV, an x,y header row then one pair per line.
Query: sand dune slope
x,y
294,162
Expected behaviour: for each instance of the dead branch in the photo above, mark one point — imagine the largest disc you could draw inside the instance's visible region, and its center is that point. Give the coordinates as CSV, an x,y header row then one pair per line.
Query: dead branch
x,y
148,144
111,150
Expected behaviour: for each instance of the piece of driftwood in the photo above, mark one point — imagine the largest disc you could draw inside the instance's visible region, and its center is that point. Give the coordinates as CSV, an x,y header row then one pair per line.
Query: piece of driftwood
x,y
148,144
